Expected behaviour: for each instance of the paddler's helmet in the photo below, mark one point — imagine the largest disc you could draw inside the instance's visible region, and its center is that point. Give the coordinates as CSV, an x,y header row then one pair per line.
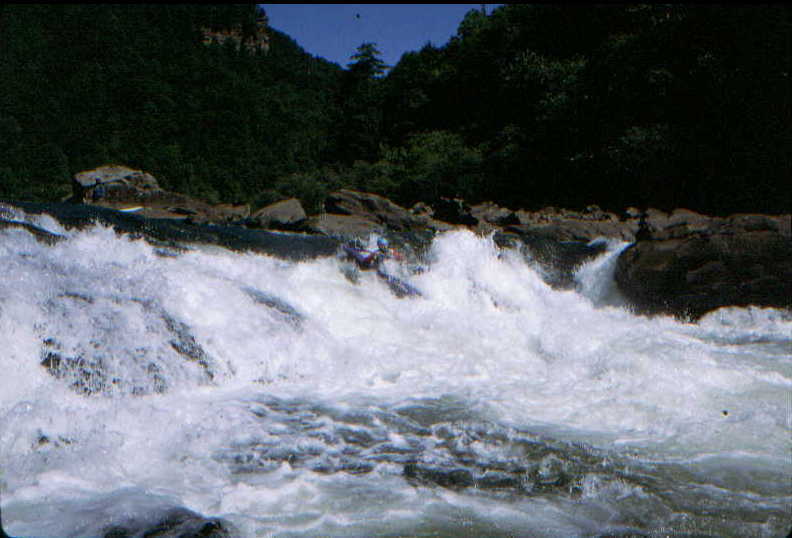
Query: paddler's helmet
x,y
382,244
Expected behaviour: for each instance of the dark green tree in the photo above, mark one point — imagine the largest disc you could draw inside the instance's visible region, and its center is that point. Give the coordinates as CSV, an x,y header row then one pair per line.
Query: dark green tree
x,y
361,97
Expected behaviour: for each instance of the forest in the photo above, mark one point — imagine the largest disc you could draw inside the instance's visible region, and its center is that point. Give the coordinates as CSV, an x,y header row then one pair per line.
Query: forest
x,y
531,105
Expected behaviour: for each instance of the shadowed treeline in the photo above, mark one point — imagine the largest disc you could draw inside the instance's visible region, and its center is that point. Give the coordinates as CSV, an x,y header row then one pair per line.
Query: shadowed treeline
x,y
531,105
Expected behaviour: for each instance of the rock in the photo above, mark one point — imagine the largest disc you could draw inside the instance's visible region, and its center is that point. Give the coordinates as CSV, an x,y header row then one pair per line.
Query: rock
x,y
122,188
178,522
631,213
284,215
565,225
693,264
41,235
493,214
447,478
2,532
454,211
576,230
342,226
422,209
233,212
372,207
111,181
559,259
680,223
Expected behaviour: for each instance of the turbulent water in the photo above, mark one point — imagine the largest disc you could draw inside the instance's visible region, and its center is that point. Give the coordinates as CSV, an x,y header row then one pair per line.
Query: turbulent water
x,y
286,398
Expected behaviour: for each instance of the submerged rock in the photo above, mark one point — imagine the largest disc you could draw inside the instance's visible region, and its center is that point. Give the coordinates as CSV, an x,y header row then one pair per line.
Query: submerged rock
x,y
177,523
41,235
447,478
2,532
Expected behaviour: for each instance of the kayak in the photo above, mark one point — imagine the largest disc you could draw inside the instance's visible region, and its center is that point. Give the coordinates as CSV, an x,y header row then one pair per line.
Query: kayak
x,y
367,260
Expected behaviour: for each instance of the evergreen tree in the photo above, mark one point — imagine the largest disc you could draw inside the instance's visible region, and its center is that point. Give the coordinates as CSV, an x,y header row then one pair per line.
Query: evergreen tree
x,y
361,106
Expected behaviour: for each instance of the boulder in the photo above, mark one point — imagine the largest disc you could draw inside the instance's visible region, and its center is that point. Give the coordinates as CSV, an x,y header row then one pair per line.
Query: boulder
x,y
422,209
454,211
111,181
342,226
491,217
284,215
692,264
41,235
233,212
424,214
566,225
176,522
123,188
680,223
374,208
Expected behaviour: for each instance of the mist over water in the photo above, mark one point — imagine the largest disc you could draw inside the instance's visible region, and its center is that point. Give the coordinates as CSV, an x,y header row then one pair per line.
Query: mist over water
x,y
290,400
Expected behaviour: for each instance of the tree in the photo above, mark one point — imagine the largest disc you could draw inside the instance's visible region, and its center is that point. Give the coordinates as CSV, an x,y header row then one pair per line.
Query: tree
x,y
367,63
361,106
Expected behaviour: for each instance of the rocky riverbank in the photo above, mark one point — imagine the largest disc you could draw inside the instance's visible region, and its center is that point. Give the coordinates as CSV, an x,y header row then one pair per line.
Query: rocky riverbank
x,y
681,263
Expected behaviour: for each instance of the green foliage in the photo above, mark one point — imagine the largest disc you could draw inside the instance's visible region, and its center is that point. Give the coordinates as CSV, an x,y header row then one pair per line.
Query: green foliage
x,y
665,104
311,188
432,165
439,164
360,99
91,84
367,63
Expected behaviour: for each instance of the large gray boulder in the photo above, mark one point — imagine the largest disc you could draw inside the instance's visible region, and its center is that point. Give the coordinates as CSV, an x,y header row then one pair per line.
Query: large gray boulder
x,y
691,264
380,210
111,181
370,206
123,188
342,226
284,215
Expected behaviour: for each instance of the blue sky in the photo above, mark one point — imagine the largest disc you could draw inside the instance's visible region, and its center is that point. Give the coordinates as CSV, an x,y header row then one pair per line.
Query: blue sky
x,y
334,31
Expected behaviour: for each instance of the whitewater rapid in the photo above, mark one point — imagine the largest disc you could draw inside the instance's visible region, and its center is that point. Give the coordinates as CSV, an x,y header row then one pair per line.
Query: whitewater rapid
x,y
289,399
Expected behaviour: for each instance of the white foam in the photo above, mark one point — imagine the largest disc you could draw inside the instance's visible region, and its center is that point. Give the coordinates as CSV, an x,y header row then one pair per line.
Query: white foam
x,y
487,332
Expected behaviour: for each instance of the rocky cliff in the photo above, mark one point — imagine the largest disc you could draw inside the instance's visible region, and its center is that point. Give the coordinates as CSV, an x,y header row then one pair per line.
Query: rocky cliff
x,y
255,41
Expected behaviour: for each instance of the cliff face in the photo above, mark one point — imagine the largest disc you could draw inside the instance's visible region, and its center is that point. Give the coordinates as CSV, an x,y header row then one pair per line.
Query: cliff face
x,y
257,41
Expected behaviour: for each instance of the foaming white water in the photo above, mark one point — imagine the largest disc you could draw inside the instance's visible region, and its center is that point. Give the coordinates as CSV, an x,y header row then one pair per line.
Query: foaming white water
x,y
164,361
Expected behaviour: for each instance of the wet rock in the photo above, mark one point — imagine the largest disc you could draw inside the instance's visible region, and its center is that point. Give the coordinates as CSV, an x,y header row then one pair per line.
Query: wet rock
x,y
177,523
91,365
2,532
689,264
88,376
41,235
550,471
559,259
183,342
277,304
447,478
